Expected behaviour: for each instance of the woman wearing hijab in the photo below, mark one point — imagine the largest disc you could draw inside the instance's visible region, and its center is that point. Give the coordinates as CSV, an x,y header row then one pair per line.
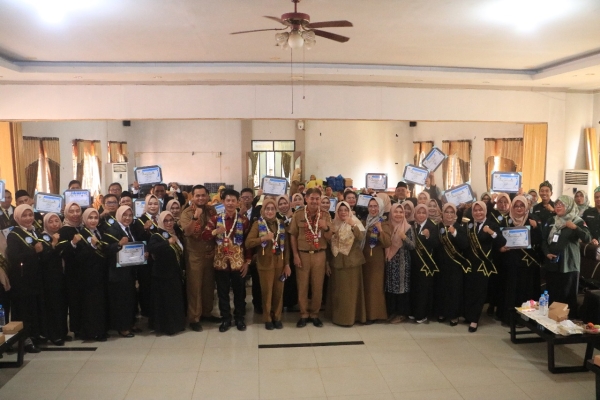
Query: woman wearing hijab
x,y
69,247
453,265
409,211
534,196
560,246
94,266
53,278
143,228
582,201
269,232
174,207
290,288
522,266
326,206
424,265
423,198
398,265
297,201
377,239
484,240
434,212
167,276
122,301
346,302
387,204
497,282
24,272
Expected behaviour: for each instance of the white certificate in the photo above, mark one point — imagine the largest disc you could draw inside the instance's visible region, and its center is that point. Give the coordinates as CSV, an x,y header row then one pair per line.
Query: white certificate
x,y
81,197
506,182
462,194
6,231
148,175
220,208
377,181
131,254
363,200
433,159
138,208
274,185
2,189
517,237
46,202
415,174
332,204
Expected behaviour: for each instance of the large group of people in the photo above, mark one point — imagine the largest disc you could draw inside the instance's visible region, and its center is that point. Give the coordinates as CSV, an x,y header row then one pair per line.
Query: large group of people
x,y
397,259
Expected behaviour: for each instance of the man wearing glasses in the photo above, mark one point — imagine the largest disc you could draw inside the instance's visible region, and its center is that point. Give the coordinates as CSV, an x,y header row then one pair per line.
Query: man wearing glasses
x,y
110,204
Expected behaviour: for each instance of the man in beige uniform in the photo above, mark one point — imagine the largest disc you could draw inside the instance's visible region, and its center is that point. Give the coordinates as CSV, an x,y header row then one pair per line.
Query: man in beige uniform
x,y
200,274
310,230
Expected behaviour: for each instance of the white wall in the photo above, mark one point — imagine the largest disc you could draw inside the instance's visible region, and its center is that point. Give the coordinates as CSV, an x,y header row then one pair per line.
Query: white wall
x,y
578,116
271,129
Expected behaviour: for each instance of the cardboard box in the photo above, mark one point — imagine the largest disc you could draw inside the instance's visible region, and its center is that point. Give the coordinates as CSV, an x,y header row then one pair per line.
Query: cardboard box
x,y
558,311
2,338
348,182
12,327
597,360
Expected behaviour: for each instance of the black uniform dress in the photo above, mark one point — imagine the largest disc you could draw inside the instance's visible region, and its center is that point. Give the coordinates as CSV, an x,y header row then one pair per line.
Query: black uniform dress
x,y
522,267
453,265
290,288
497,282
24,273
73,275
541,213
106,223
424,268
122,296
5,222
167,283
591,216
55,293
94,265
482,256
144,272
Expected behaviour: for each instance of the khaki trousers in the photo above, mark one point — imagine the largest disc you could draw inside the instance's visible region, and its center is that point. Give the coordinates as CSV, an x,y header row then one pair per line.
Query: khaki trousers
x,y
312,273
271,289
200,285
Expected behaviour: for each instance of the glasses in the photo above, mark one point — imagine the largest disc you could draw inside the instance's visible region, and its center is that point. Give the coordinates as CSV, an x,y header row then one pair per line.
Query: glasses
x,y
111,203
518,206
168,221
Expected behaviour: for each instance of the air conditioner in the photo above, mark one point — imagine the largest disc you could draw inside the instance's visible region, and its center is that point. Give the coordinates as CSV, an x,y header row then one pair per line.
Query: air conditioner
x,y
578,179
116,172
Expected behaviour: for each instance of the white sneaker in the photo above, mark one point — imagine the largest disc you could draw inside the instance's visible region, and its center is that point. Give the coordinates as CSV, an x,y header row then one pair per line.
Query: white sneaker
x,y
411,317
422,321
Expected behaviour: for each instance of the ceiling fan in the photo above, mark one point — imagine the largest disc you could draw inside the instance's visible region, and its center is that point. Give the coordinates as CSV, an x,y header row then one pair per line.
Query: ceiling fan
x,y
302,32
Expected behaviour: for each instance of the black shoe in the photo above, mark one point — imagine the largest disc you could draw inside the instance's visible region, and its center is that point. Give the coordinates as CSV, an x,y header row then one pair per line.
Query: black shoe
x,y
301,323
317,322
58,342
240,324
472,329
32,348
126,335
258,310
269,326
135,329
68,338
370,322
441,319
225,325
278,324
211,318
100,338
453,323
196,326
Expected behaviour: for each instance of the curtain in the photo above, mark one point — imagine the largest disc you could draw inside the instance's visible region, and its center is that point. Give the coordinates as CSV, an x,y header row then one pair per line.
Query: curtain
x,y
534,146
420,150
117,152
591,152
51,158
31,161
502,155
87,155
456,168
16,133
286,163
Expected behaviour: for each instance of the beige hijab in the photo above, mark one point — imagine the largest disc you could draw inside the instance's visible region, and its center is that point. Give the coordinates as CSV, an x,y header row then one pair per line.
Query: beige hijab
x,y
67,221
397,227
515,220
343,238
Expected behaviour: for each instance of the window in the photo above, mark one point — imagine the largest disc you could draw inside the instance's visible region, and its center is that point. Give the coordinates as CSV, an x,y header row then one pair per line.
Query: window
x,y
273,145
117,152
42,164
87,159
270,157
457,167
420,151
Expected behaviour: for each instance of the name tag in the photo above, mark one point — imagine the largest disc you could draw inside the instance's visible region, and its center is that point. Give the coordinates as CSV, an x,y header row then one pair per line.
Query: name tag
x,y
555,238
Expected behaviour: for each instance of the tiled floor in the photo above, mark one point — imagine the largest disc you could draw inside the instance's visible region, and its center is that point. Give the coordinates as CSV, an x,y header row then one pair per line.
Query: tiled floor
x,y
405,361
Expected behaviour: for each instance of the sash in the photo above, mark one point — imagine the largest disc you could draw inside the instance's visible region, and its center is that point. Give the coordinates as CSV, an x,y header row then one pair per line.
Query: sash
x,y
24,239
453,253
424,255
87,234
486,266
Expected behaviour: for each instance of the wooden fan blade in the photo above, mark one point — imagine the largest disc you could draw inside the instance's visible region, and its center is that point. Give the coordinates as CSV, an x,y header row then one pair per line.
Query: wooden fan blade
x,y
332,36
329,24
278,20
258,30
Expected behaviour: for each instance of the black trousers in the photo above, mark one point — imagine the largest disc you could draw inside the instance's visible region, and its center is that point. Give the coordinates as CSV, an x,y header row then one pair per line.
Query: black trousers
x,y
562,287
144,278
5,301
227,280
476,287
421,294
397,304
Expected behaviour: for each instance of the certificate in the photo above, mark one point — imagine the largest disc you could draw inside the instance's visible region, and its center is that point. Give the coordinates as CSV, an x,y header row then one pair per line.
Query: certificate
x,y
46,202
220,208
81,197
6,231
363,200
138,208
415,174
332,204
507,182
433,159
462,194
2,189
517,237
148,175
132,254
274,185
377,181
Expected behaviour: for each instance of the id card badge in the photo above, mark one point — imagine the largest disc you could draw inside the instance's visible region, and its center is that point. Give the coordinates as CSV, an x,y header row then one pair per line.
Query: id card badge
x,y
555,238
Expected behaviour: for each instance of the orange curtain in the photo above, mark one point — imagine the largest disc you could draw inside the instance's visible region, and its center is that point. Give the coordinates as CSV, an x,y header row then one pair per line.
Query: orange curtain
x,y
457,167
420,150
534,148
51,157
31,161
502,155
117,152
87,156
591,152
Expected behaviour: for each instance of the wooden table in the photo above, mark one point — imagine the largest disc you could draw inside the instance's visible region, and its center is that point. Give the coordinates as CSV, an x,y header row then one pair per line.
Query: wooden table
x,y
18,338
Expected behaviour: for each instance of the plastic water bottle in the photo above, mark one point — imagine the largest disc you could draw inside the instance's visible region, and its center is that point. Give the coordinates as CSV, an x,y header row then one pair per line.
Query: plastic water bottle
x,y
2,319
543,305
547,296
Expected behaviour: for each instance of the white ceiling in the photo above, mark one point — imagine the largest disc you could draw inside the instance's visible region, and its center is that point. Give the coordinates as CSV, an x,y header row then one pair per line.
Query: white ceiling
x,y
393,42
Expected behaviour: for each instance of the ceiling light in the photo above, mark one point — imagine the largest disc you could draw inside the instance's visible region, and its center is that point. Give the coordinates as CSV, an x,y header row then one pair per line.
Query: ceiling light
x,y
526,15
295,40
54,11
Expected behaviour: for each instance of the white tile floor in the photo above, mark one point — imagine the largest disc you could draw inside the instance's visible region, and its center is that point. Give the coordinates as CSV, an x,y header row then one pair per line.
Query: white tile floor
x,y
405,361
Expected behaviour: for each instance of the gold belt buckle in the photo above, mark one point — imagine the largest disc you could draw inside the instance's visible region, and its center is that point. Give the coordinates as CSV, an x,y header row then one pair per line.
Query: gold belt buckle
x,y
311,252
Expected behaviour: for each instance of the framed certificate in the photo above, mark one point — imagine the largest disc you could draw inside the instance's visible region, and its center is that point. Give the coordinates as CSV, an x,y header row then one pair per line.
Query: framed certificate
x,y
80,196
148,175
332,204
47,202
2,189
517,237
220,208
377,181
507,182
274,185
415,174
132,254
138,207
460,194
363,200
433,159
